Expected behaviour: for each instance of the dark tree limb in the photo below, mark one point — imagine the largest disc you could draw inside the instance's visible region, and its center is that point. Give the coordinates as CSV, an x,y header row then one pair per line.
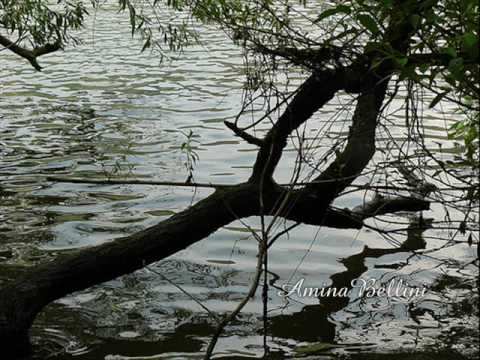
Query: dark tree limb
x,y
380,205
127,181
30,55
243,134
313,94
302,206
360,147
21,300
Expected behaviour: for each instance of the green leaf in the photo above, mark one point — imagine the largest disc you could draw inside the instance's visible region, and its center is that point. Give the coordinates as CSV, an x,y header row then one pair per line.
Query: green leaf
x,y
330,12
401,61
437,98
470,40
387,3
147,44
470,45
368,23
408,72
450,51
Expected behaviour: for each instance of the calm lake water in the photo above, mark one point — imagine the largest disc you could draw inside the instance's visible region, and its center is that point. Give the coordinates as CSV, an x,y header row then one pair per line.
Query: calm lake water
x,y
103,106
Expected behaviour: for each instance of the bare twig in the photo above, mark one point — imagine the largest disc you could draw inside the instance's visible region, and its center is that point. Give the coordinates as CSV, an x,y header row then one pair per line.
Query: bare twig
x,y
134,182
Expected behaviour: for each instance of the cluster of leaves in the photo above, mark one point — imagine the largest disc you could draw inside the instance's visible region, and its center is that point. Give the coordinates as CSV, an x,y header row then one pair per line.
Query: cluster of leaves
x,y
40,22
468,131
443,56
159,25
188,148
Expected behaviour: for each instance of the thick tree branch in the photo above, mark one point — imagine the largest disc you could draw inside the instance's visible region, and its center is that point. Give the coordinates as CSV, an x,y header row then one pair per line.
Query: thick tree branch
x,y
301,206
305,210
360,147
30,55
380,205
243,134
313,94
21,300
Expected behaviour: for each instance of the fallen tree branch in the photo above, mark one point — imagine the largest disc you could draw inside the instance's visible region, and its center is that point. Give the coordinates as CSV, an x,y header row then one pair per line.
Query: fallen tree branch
x,y
334,218
22,299
354,218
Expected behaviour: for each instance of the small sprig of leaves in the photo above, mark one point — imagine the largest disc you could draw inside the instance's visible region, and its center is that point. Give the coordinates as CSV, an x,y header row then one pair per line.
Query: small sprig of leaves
x,y
468,130
189,150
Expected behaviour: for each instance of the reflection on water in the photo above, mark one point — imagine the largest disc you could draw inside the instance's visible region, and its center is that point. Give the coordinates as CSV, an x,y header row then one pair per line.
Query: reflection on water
x,y
108,111
313,322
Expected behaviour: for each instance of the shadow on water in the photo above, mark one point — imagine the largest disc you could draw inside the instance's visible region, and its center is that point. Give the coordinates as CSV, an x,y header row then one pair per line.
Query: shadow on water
x,y
312,322
179,342
186,339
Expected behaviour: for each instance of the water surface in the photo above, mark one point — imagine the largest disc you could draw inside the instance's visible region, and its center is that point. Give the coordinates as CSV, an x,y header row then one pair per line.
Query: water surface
x,y
101,110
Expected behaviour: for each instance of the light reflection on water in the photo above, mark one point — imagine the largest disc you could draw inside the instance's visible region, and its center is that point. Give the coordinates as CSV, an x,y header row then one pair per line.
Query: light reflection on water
x,y
103,104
